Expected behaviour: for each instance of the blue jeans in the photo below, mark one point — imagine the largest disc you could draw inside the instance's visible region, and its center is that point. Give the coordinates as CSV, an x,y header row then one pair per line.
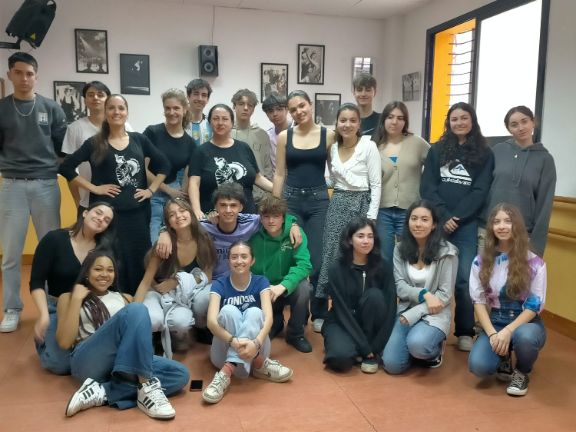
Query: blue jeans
x,y
20,200
420,341
527,341
465,238
121,351
310,205
390,224
52,357
157,203
245,325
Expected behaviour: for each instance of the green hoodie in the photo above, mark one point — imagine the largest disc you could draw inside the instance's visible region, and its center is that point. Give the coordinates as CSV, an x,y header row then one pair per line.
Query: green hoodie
x,y
277,259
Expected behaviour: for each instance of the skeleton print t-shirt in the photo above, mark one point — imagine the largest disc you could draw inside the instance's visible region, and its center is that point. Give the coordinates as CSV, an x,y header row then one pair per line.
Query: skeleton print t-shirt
x,y
215,166
124,168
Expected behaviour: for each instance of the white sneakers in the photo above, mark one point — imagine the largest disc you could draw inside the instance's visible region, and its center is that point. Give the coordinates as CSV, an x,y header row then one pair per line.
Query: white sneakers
x,y
217,388
153,401
273,370
90,394
465,343
317,325
10,321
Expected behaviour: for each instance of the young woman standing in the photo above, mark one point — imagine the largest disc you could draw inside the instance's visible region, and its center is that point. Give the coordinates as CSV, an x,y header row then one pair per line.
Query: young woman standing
x,y
525,176
174,143
355,176
301,155
240,317
117,159
425,268
456,179
508,288
402,154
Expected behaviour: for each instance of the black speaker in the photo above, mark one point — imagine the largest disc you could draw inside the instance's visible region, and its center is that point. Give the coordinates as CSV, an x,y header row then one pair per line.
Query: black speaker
x,y
208,60
32,21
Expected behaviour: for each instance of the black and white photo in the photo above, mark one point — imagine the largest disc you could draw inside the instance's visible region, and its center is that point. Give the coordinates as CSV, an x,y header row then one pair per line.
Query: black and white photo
x,y
68,94
135,74
411,87
310,64
91,51
273,79
326,108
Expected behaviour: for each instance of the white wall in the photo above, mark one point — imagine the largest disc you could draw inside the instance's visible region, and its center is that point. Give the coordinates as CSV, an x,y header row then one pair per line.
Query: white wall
x,y
170,33
559,113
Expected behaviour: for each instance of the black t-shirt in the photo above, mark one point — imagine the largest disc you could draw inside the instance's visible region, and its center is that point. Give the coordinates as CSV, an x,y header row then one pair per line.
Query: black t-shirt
x,y
177,150
55,264
124,168
215,165
370,123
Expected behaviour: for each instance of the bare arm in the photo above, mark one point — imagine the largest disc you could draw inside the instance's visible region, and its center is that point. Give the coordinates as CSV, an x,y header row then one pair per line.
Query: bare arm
x,y
263,183
194,194
146,283
68,311
280,174
41,302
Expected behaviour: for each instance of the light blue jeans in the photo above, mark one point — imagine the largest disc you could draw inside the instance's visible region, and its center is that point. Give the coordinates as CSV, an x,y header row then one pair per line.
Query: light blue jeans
x,y
157,203
420,341
390,224
52,357
20,200
527,341
121,351
246,325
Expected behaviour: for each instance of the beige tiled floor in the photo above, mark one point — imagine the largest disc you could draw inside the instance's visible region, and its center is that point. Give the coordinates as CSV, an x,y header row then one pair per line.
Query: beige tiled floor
x,y
445,399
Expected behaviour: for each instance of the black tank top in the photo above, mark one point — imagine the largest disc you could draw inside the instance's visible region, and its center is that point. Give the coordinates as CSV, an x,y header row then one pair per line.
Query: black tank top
x,y
306,167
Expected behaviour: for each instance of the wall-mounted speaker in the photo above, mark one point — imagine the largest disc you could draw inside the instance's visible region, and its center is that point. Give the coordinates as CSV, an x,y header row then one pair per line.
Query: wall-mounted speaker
x,y
208,60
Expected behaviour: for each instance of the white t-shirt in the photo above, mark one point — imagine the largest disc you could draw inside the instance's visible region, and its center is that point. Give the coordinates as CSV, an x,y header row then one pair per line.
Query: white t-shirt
x,y
113,301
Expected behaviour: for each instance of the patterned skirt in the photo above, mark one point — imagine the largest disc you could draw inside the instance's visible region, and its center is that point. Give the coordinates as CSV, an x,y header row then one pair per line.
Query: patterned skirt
x,y
344,206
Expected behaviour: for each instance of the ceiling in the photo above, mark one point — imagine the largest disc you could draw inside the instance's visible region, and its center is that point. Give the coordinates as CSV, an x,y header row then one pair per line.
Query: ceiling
x,y
376,9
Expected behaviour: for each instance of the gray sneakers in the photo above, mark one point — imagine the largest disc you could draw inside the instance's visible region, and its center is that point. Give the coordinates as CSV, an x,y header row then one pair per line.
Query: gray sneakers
x,y
519,384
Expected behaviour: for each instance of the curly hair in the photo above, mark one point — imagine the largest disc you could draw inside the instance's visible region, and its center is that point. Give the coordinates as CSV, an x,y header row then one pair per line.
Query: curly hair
x,y
519,271
474,151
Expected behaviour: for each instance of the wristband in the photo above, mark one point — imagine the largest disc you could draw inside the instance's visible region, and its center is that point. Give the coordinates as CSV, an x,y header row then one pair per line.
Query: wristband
x,y
493,334
257,344
150,191
421,295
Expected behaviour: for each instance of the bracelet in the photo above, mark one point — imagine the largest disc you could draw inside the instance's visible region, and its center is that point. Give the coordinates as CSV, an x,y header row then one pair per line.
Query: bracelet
x,y
257,344
150,191
493,334
421,295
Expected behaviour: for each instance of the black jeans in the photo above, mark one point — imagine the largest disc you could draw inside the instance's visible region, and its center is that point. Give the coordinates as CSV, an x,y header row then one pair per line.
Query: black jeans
x,y
299,314
310,205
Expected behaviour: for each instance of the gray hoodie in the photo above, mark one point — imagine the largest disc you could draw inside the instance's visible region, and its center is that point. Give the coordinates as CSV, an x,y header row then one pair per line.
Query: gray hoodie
x,y
525,177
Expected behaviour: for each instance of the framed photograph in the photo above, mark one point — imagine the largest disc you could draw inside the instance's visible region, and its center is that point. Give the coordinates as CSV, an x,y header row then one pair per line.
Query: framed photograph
x,y
135,74
273,80
2,88
68,94
91,51
326,107
411,87
310,64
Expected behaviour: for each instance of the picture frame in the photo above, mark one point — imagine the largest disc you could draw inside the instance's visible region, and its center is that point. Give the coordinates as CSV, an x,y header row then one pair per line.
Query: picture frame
x,y
91,51
362,65
326,108
311,64
135,74
411,85
273,80
2,88
68,95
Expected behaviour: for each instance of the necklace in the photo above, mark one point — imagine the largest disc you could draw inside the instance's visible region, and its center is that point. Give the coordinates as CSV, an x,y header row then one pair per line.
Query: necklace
x,y
21,113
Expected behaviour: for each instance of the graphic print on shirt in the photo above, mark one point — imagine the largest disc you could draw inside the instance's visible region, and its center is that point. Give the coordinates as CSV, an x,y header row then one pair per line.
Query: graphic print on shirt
x,y
241,301
454,172
228,172
126,170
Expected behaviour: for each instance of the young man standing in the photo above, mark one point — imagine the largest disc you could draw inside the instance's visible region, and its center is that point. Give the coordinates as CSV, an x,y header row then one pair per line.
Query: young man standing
x,y
32,128
243,102
199,91
276,108
95,94
364,91
287,268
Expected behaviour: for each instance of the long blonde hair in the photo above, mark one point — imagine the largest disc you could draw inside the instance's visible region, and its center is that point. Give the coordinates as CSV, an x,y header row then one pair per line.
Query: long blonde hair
x,y
519,272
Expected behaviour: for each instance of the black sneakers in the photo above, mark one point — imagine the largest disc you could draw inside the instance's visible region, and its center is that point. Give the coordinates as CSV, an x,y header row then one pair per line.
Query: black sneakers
x,y
519,384
300,343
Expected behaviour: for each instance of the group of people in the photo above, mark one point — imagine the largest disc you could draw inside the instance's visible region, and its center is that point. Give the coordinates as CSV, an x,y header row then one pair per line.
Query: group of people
x,y
211,223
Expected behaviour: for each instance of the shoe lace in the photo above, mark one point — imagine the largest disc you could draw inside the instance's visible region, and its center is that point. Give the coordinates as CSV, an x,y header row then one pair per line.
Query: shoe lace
x,y
273,366
518,379
219,382
157,395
